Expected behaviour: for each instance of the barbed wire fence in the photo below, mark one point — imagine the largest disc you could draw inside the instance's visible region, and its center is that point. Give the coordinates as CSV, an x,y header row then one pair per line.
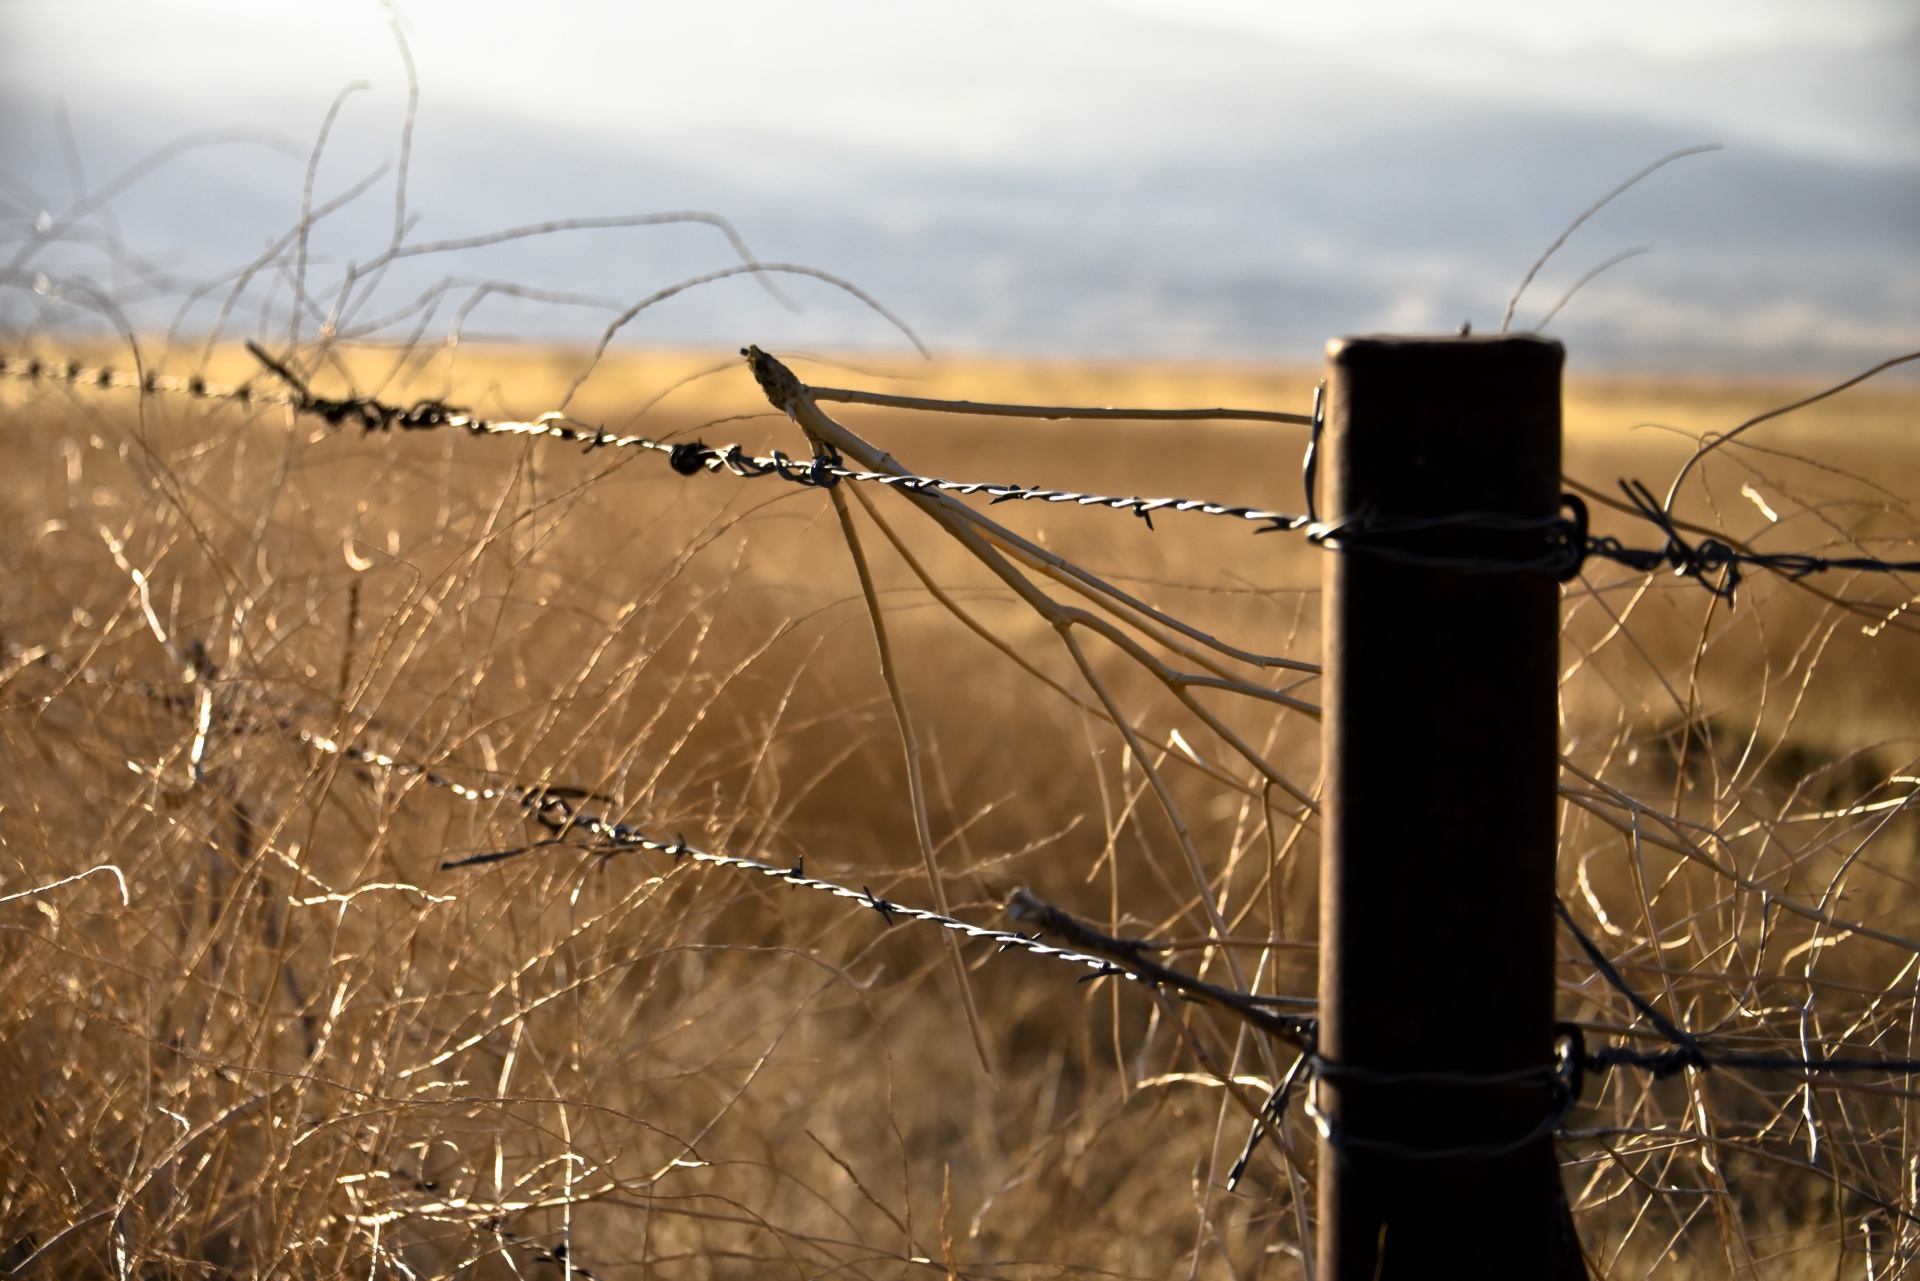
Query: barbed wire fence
x,y
1732,1089
1713,562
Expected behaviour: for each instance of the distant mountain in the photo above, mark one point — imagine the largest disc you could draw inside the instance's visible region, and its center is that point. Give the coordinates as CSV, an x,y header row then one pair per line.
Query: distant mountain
x,y
1102,184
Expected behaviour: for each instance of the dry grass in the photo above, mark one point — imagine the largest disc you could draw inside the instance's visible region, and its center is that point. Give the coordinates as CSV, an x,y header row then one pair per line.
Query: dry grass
x,y
302,1048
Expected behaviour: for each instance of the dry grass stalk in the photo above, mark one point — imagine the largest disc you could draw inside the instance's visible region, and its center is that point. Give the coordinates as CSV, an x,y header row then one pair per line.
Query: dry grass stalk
x,y
916,782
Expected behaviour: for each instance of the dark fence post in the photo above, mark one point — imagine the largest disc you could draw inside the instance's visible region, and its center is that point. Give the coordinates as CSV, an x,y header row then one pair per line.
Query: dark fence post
x,y
1437,872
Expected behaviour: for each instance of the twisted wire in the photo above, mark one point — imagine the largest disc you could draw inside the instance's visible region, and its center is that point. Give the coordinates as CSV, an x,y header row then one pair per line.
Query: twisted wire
x,y
558,809
1566,546
1703,560
689,458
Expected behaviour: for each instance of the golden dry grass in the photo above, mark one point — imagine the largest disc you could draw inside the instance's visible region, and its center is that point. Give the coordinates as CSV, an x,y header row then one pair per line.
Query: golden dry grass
x,y
303,1048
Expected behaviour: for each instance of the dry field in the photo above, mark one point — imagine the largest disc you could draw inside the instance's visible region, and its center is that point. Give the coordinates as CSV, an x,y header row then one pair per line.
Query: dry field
x,y
302,1047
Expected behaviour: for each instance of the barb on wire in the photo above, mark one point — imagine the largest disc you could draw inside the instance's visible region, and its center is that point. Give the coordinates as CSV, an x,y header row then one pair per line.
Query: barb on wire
x,y
80,375
1130,956
1703,560
1271,1113
828,469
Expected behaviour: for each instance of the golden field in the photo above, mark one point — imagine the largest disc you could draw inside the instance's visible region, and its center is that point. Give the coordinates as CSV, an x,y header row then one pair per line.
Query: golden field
x,y
301,1047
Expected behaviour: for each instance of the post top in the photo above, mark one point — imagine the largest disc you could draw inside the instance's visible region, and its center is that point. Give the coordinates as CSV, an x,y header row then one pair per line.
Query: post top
x,y
1341,348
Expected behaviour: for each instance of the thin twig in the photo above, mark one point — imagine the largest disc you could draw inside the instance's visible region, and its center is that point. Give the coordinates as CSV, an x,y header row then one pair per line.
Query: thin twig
x,y
1592,209
916,782
1053,413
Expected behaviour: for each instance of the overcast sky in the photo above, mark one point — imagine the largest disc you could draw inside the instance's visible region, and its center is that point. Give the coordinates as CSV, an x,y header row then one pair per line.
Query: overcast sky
x,y
1231,178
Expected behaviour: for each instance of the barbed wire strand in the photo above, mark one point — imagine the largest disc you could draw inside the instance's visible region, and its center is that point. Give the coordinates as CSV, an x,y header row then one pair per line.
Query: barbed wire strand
x,y
558,810
1688,1052
1713,563
686,457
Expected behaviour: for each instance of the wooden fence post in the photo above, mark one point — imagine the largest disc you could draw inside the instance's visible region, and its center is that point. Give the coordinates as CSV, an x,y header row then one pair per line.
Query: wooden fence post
x,y
1437,872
